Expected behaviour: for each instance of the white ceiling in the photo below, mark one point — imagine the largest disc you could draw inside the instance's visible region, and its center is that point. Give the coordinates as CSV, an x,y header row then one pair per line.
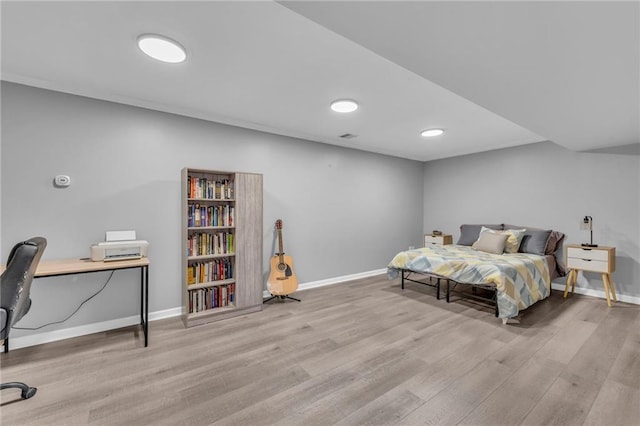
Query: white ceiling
x,y
492,74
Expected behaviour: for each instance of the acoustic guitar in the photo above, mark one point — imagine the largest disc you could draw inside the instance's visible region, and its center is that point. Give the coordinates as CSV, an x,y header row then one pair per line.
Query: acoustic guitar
x,y
282,280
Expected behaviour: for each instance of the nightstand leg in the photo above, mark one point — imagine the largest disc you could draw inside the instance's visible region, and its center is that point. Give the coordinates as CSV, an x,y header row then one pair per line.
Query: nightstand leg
x,y
566,286
606,288
612,288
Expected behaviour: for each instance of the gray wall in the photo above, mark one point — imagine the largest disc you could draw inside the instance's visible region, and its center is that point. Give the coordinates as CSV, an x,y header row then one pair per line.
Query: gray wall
x,y
344,211
544,185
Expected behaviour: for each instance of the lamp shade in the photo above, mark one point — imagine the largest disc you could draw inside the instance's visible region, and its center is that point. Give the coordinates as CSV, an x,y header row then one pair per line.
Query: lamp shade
x,y
587,225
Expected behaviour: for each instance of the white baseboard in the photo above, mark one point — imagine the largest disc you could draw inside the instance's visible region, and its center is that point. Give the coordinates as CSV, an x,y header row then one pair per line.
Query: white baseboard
x,y
335,280
83,330
599,293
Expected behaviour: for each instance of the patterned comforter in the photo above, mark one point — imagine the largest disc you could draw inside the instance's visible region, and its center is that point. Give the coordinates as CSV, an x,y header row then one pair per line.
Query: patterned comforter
x,y
521,279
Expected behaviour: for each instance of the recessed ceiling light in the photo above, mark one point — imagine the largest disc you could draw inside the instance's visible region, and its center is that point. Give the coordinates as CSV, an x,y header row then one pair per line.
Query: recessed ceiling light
x,y
432,132
344,105
162,48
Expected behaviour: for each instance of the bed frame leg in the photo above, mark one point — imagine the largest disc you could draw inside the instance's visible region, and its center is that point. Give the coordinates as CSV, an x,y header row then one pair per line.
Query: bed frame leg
x,y
438,289
402,280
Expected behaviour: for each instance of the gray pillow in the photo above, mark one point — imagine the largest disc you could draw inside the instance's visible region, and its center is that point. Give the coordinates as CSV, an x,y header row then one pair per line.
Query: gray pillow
x,y
491,243
469,233
535,241
555,242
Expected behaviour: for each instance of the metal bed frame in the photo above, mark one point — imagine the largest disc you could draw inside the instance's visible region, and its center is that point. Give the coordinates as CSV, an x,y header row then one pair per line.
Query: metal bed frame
x,y
408,273
493,299
451,288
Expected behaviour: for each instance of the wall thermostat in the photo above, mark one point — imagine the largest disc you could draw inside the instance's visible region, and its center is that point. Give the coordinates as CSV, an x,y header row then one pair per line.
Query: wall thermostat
x,y
62,181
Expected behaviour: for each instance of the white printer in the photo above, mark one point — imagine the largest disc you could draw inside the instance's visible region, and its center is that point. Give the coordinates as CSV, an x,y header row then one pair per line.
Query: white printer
x,y
119,245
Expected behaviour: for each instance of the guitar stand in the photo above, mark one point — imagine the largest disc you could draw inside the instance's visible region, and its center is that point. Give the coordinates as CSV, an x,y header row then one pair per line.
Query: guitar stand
x,y
281,298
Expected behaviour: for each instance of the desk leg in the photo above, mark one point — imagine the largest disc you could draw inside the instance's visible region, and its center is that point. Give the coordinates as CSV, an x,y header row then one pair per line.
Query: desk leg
x,y
146,306
144,303
142,296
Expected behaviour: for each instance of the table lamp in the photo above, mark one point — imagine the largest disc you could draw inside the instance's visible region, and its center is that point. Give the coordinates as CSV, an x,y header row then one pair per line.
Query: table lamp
x,y
587,224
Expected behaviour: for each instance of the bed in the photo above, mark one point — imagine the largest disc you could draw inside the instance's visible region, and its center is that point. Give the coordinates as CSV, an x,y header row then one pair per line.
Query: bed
x,y
515,277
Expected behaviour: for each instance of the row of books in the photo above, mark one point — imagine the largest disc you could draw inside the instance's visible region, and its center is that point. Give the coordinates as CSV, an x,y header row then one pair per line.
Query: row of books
x,y
210,215
212,297
204,243
213,189
214,270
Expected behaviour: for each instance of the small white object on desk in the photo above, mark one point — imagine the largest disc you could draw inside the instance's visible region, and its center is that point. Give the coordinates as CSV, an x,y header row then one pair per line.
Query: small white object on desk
x,y
119,245
120,235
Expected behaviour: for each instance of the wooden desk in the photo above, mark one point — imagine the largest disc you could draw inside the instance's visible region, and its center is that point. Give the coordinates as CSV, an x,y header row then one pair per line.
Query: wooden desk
x,y
54,268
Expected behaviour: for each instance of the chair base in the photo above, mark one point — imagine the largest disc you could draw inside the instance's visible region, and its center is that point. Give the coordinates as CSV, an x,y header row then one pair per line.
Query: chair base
x,y
282,297
26,391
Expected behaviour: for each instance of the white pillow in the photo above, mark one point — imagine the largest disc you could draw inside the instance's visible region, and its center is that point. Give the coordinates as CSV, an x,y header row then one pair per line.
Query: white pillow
x,y
514,238
490,242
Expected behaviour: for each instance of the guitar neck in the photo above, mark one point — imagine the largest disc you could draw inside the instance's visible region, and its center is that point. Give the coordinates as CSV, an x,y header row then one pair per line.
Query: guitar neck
x,y
280,246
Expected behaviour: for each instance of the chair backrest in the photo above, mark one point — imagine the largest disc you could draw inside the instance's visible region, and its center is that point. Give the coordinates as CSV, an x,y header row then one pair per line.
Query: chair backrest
x,y
16,280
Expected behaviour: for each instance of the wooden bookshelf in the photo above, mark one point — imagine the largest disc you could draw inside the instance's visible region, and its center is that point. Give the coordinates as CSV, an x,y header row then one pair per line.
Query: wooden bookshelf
x,y
221,245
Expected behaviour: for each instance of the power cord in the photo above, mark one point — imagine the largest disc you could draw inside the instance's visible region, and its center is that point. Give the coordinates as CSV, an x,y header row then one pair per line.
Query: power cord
x,y
74,312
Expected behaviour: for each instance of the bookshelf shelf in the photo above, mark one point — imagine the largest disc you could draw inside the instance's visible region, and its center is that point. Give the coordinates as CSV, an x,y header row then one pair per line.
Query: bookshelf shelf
x,y
211,284
221,244
212,200
211,256
208,228
211,314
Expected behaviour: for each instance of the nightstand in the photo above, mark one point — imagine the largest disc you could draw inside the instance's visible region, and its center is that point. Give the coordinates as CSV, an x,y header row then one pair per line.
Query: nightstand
x,y
593,259
442,240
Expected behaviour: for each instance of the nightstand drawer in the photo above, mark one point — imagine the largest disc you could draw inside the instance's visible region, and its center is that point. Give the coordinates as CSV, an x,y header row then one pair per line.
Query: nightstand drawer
x,y
592,254
588,265
438,239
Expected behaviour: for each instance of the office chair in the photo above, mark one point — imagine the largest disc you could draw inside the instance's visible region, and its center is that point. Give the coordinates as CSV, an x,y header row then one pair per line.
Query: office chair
x,y
14,294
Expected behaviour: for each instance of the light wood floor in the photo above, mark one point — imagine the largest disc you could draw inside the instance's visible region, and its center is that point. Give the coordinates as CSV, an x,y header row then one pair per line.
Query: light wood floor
x,y
357,353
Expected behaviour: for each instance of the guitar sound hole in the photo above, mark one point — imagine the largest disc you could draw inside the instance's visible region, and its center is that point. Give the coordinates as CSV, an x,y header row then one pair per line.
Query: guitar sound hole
x,y
282,267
